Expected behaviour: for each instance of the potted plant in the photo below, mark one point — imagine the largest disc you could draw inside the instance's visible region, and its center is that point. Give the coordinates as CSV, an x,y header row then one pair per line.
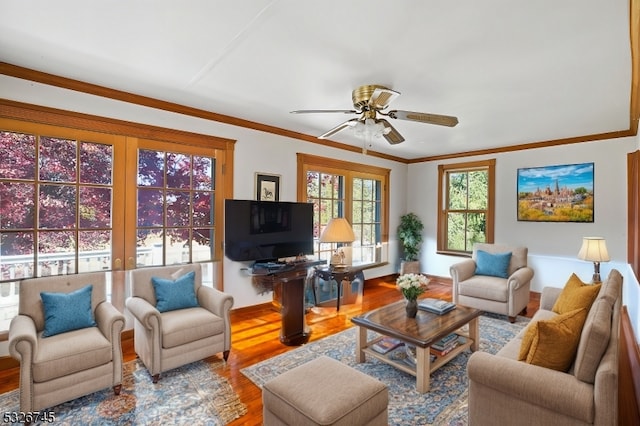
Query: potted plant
x,y
410,235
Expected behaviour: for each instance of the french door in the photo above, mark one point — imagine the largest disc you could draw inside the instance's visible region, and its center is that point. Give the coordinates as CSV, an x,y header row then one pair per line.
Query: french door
x,y
74,201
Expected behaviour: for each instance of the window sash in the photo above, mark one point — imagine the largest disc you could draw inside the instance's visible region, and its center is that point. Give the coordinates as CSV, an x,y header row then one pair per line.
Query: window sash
x,y
465,219
344,203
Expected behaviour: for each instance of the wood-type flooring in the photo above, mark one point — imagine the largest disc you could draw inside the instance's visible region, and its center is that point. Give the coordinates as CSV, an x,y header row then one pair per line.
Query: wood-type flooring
x,y
255,337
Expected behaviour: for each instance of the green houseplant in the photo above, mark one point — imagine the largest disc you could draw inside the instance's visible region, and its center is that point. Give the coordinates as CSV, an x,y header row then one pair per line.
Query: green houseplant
x,y
410,235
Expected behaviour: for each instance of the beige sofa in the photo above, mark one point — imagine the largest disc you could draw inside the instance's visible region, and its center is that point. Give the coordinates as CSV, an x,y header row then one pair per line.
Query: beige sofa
x,y
503,390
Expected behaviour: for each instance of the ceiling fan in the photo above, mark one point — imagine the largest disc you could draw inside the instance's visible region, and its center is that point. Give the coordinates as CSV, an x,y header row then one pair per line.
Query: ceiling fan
x,y
371,100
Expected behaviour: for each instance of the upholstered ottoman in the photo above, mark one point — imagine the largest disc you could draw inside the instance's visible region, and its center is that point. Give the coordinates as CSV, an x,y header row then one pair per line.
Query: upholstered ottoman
x,y
324,392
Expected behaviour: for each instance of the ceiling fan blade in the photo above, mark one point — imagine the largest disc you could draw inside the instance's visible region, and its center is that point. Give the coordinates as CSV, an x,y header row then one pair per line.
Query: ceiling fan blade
x,y
393,136
382,97
441,120
339,127
314,111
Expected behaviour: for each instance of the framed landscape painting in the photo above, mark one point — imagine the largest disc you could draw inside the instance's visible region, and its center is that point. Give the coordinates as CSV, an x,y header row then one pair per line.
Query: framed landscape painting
x,y
562,193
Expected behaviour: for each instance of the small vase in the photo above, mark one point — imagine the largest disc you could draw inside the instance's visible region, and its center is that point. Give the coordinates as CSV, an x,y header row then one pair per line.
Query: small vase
x,y
412,308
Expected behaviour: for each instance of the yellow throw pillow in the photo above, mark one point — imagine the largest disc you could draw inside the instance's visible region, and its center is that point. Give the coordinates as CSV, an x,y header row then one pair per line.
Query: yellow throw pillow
x,y
527,339
554,342
576,295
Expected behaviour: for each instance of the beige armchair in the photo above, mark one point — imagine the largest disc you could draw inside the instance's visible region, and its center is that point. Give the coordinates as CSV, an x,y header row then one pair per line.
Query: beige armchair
x,y
65,366
507,296
166,340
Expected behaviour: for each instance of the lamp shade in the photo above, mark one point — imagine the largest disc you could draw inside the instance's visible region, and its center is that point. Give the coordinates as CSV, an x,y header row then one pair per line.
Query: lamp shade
x,y
371,128
337,230
594,249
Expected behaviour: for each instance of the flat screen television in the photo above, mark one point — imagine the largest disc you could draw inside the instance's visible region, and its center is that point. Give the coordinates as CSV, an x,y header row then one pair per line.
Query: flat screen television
x,y
265,231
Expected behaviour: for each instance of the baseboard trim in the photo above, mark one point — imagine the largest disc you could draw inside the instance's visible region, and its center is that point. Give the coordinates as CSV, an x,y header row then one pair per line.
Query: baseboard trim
x,y
126,335
6,363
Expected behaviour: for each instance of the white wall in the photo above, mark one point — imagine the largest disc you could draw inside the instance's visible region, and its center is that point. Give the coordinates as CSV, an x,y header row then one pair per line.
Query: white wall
x,y
553,247
254,152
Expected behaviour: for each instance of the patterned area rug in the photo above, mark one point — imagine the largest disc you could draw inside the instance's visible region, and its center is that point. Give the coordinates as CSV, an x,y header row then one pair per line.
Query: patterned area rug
x,y
193,394
444,404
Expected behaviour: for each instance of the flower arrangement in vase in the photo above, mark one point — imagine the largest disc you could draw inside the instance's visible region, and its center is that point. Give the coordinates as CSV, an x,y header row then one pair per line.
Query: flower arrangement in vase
x,y
412,286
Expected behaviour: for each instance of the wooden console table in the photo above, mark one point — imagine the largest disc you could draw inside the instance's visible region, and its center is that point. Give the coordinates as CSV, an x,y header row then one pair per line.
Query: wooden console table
x,y
288,285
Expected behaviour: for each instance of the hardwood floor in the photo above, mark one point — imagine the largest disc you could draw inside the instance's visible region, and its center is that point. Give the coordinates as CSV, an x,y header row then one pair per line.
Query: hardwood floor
x,y
255,337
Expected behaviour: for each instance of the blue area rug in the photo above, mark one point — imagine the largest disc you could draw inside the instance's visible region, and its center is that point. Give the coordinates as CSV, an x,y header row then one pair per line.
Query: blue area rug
x,y
444,404
193,394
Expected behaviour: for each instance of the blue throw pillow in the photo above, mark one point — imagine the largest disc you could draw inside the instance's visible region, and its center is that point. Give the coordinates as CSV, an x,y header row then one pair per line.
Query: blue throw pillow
x,y
495,265
67,311
178,294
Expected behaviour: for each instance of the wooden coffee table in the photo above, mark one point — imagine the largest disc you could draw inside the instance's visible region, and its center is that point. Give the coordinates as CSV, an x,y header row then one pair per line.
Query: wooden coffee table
x,y
422,331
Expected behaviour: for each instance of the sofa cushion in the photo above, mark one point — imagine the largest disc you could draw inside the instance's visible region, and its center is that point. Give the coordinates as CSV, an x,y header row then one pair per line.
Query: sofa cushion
x,y
178,294
484,287
492,264
552,343
188,325
575,295
67,311
594,340
69,353
610,289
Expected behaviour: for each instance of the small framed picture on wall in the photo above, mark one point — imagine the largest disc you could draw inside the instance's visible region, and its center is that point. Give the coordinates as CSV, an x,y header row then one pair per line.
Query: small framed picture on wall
x,y
267,187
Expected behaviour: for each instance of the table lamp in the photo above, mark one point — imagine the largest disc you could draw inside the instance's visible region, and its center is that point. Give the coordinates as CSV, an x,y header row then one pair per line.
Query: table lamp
x,y
594,249
338,230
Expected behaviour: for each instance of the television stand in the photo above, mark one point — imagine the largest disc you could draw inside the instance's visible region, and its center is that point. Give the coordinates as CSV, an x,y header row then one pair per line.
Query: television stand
x,y
288,285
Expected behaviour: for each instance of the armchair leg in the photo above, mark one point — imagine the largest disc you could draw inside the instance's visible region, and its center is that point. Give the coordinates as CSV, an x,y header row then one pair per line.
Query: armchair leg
x,y
225,355
512,319
155,378
117,389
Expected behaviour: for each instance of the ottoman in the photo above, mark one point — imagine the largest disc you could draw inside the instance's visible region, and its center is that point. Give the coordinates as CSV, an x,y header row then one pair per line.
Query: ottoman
x,y
324,392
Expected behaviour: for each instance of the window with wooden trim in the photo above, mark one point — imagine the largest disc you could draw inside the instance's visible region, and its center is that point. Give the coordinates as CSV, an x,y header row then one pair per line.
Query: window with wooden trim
x,y
354,191
74,201
466,205
56,205
175,206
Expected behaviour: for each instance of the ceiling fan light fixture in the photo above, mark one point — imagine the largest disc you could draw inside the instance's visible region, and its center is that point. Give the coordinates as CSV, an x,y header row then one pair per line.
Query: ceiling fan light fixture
x,y
370,128
369,101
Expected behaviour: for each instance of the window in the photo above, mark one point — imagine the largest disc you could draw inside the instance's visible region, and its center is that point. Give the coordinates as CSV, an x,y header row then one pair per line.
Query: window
x,y
465,200
365,218
56,205
74,201
175,206
354,191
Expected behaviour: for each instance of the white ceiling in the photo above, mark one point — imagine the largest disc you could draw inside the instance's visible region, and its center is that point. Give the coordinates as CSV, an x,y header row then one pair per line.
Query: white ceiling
x,y
513,72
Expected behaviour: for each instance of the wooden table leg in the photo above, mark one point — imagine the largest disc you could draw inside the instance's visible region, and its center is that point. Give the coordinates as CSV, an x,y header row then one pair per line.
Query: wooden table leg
x,y
474,334
361,343
423,369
